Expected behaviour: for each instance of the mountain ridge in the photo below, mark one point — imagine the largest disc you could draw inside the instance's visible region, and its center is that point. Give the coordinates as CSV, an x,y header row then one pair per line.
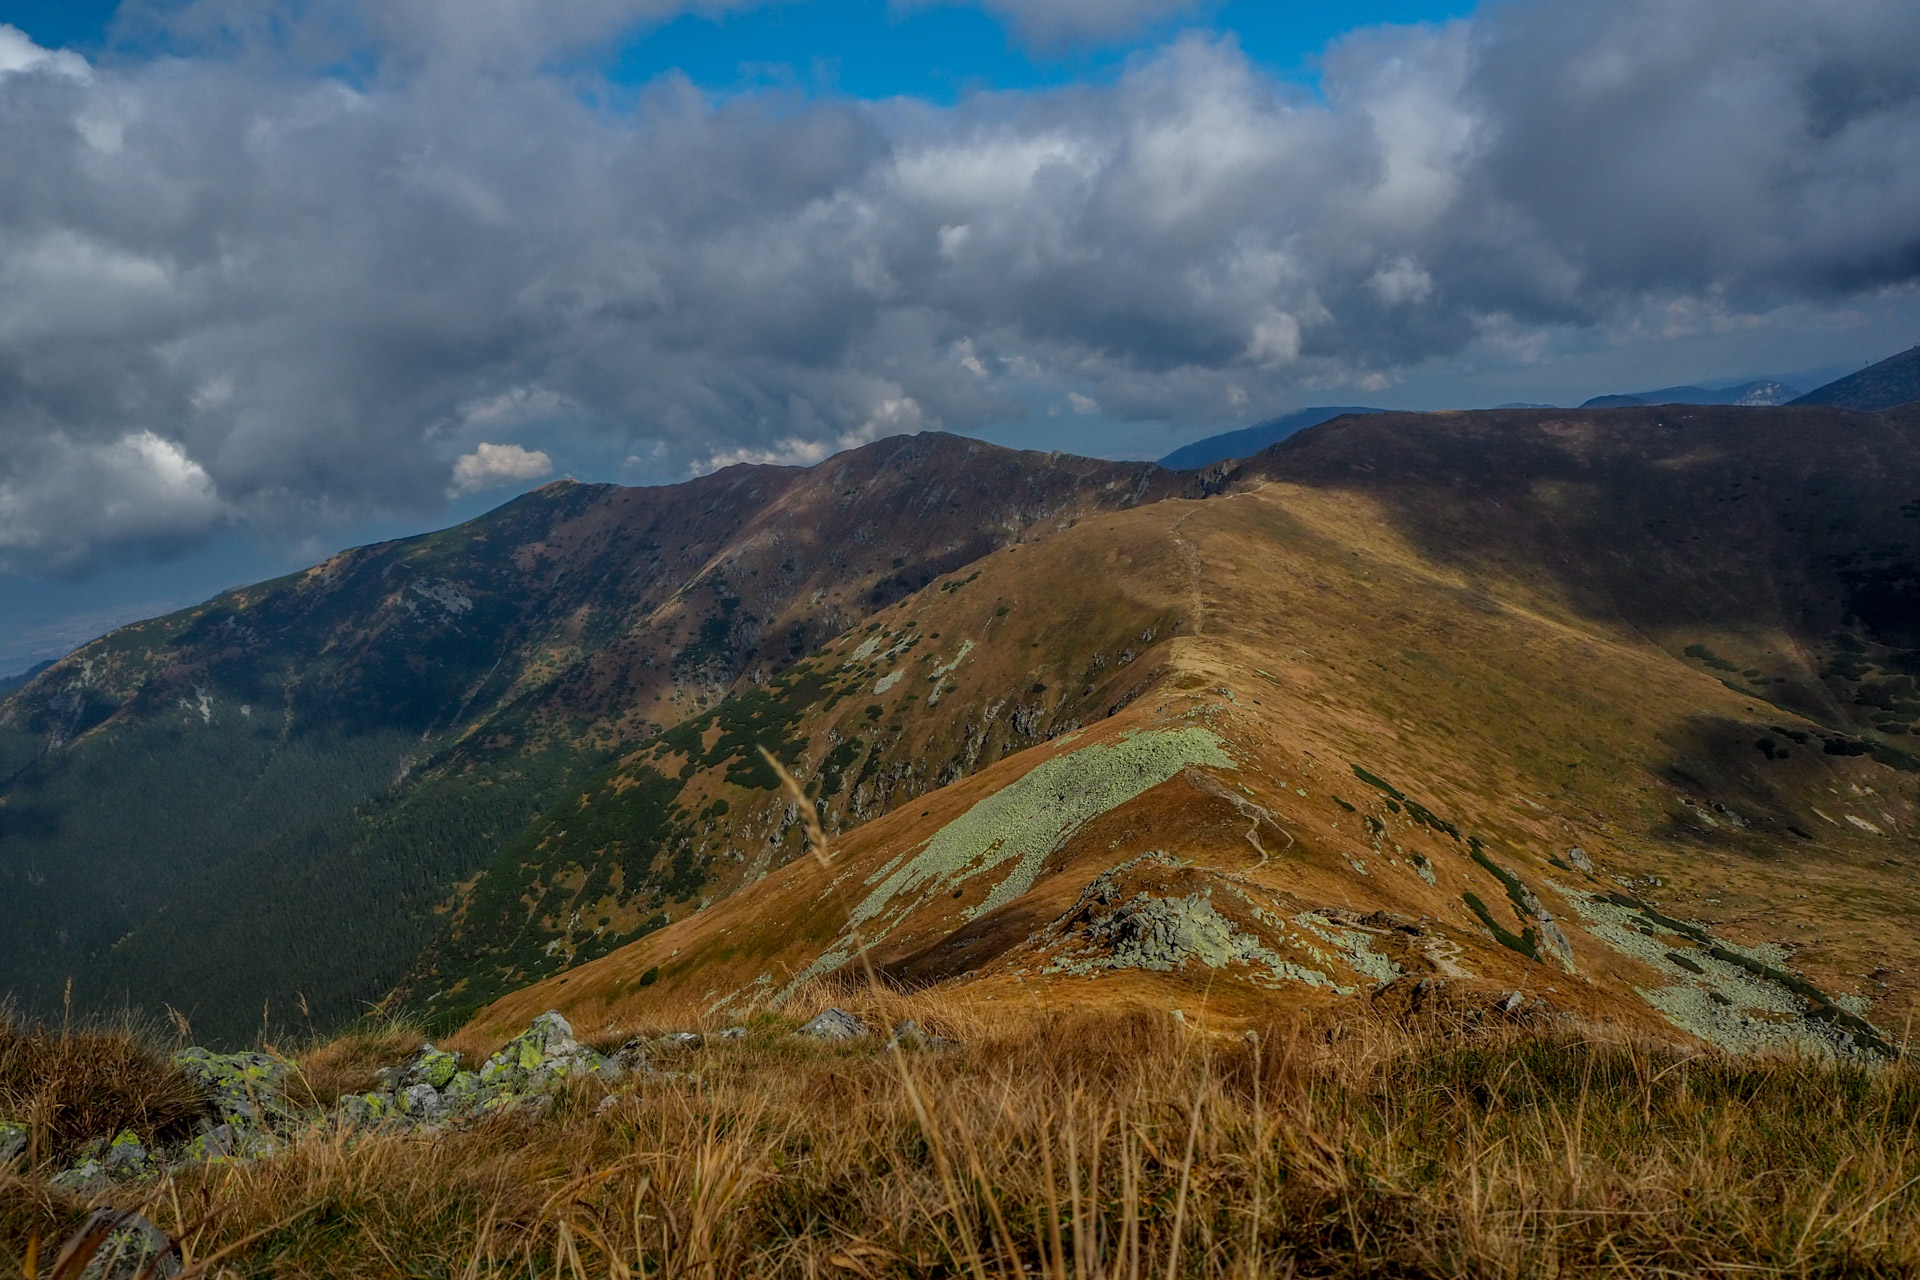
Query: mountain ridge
x,y
1342,710
1889,383
1405,718
1246,441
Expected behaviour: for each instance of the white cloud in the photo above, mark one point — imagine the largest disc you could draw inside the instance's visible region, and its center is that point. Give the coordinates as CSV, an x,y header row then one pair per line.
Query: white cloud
x,y
492,465
69,499
18,52
307,287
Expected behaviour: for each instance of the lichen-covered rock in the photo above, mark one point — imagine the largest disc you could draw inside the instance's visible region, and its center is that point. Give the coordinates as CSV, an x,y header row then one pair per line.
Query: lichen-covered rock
x,y
734,1033
134,1248
229,1141
539,1058
128,1157
245,1087
835,1024
422,1102
462,1088
88,1177
682,1040
361,1110
1581,862
433,1066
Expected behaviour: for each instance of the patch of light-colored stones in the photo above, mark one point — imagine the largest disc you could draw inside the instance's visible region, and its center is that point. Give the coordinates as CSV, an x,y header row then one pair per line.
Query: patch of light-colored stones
x,y
1723,1004
1020,824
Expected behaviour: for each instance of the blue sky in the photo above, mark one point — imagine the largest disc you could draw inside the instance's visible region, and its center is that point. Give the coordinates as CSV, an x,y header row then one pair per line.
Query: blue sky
x,y
286,277
866,48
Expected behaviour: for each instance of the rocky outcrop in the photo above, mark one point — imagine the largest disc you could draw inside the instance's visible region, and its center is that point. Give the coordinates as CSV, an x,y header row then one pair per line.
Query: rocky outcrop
x,y
250,1114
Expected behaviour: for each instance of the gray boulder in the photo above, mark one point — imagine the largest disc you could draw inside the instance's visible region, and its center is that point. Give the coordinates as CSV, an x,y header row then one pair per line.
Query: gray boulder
x,y
835,1024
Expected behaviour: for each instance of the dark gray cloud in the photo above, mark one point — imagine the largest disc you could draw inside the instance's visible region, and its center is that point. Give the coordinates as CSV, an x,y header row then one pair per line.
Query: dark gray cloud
x,y
236,289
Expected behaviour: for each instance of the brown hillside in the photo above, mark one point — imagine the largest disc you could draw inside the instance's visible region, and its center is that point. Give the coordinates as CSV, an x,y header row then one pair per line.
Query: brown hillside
x,y
1396,693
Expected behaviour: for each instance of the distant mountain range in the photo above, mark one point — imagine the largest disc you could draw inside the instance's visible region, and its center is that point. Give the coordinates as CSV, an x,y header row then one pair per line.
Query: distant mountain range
x,y
1247,441
1894,381
1761,392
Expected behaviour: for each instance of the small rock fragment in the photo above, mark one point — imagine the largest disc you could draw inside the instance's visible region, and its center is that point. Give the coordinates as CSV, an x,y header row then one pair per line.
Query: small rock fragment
x,y
1579,859
734,1033
13,1140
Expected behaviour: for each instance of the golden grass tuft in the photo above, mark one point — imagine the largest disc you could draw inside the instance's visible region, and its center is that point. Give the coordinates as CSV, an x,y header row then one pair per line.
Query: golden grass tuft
x,y
72,1084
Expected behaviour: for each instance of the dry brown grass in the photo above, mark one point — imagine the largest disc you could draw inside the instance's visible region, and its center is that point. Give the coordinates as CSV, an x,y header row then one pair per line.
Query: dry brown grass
x,y
1098,1146
348,1064
72,1084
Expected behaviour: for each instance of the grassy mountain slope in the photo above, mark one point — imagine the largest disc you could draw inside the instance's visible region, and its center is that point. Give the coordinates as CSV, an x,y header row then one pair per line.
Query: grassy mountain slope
x,y
1584,705
264,800
1893,381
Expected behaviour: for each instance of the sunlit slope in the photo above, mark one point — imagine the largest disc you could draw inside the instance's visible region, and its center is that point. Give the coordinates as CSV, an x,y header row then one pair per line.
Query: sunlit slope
x,y
981,664
1360,750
